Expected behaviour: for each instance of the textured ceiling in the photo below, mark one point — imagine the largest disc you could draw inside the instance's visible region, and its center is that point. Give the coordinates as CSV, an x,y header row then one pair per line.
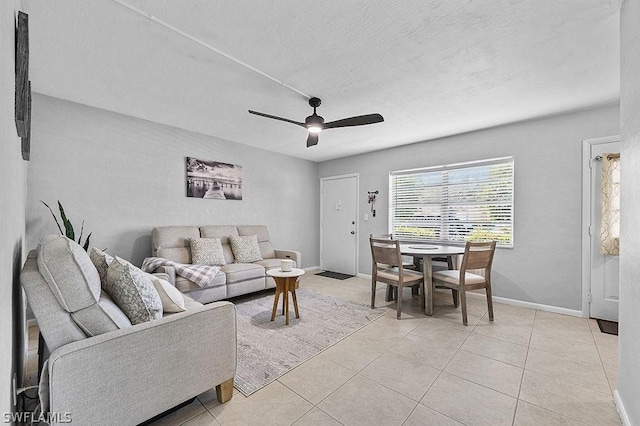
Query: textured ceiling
x,y
431,68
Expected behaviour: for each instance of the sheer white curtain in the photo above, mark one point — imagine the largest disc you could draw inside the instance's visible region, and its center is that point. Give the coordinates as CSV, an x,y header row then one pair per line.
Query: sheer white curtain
x,y
610,216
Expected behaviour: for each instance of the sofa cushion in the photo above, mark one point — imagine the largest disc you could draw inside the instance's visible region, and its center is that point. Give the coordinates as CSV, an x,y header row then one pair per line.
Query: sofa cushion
x,y
172,236
101,317
245,248
69,272
273,263
133,292
172,299
266,248
177,254
207,251
242,271
223,232
101,261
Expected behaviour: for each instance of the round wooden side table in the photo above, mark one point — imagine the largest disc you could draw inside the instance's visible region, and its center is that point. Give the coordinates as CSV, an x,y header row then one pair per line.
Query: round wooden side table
x,y
285,282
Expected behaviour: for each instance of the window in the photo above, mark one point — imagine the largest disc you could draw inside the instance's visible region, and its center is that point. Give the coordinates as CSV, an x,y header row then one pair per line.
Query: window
x,y
454,203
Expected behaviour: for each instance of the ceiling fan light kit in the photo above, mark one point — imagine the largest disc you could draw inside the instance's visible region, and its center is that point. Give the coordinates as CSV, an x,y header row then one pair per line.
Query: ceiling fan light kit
x,y
315,123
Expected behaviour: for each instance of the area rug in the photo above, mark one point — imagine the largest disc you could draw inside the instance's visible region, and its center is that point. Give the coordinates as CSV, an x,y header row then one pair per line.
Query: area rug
x,y
335,275
267,350
608,327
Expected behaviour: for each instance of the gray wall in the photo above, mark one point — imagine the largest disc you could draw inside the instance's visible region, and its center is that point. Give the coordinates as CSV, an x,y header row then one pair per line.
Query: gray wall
x,y
629,342
124,176
13,178
545,264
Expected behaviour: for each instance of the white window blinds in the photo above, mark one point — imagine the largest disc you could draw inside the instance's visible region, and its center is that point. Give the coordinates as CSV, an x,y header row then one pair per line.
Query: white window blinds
x,y
454,203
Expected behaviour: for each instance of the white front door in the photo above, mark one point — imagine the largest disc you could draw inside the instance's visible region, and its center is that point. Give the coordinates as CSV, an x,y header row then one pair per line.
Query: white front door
x,y
338,224
605,270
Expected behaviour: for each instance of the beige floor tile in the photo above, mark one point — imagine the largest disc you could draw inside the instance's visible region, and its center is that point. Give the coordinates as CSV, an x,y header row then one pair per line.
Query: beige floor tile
x,y
182,415
497,375
532,415
586,352
274,404
606,342
449,313
362,401
497,349
355,354
315,379
505,329
588,374
404,374
468,402
443,332
403,325
563,326
434,354
316,417
516,313
204,419
577,402
423,415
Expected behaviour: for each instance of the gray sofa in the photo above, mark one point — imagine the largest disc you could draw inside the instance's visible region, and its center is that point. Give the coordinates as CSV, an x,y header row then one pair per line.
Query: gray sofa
x,y
234,279
102,369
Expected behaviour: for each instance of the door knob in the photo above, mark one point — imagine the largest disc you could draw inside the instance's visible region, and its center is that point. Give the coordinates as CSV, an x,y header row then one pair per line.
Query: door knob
x,y
353,232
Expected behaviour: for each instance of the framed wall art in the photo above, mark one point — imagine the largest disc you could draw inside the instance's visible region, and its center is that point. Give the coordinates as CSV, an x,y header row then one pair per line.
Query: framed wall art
x,y
213,180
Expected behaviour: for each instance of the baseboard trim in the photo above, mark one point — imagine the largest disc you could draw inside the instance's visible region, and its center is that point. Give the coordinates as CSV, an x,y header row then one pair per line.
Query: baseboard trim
x,y
620,407
530,305
311,268
513,302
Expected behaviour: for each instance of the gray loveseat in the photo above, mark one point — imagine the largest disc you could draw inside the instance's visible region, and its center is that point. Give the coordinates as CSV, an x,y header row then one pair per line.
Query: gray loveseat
x,y
234,279
103,370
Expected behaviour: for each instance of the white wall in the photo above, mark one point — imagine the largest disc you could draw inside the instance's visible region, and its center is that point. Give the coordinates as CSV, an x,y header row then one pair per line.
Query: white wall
x,y
544,266
629,341
124,176
13,179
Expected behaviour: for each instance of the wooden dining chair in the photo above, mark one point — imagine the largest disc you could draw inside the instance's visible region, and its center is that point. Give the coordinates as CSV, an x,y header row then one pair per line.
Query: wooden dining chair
x,y
476,256
387,267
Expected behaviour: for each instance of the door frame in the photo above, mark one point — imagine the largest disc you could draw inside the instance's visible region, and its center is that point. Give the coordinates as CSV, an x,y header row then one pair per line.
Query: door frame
x,y
586,216
322,181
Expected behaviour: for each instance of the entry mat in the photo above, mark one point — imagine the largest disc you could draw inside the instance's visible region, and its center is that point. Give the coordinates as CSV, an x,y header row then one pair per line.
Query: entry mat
x,y
336,275
609,327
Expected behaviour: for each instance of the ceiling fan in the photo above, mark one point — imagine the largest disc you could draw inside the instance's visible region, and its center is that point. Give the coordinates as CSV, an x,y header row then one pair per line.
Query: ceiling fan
x,y
315,123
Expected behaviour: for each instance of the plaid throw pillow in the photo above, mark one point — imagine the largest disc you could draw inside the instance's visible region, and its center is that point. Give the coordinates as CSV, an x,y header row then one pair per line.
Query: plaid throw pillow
x,y
245,248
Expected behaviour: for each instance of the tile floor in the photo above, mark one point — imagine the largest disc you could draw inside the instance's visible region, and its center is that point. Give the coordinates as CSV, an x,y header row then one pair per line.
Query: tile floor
x,y
528,367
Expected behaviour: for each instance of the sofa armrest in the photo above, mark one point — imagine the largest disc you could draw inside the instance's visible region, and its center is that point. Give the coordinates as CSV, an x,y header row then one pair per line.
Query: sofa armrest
x,y
170,271
131,375
290,254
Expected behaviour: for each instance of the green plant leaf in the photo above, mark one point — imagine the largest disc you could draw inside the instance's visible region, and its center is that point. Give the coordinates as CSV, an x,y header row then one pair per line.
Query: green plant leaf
x,y
86,243
81,231
68,227
54,216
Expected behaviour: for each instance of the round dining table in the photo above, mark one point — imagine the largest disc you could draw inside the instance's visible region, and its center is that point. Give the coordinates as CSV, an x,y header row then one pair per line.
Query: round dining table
x,y
427,252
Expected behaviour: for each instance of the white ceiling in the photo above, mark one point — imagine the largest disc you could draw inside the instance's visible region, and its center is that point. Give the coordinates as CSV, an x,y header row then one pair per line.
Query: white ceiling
x,y
431,68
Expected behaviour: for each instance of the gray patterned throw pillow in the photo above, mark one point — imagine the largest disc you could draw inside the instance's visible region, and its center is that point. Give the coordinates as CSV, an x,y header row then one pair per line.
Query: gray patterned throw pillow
x,y
101,261
245,248
207,251
133,292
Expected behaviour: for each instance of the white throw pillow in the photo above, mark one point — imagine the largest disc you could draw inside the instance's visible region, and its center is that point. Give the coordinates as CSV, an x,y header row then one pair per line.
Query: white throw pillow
x,y
207,251
133,292
172,299
245,248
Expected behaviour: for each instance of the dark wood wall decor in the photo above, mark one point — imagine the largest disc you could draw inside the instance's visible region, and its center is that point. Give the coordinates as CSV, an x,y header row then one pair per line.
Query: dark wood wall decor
x,y
23,85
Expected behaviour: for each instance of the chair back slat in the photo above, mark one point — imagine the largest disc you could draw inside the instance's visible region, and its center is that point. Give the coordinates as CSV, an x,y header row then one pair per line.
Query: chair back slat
x,y
478,255
386,252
